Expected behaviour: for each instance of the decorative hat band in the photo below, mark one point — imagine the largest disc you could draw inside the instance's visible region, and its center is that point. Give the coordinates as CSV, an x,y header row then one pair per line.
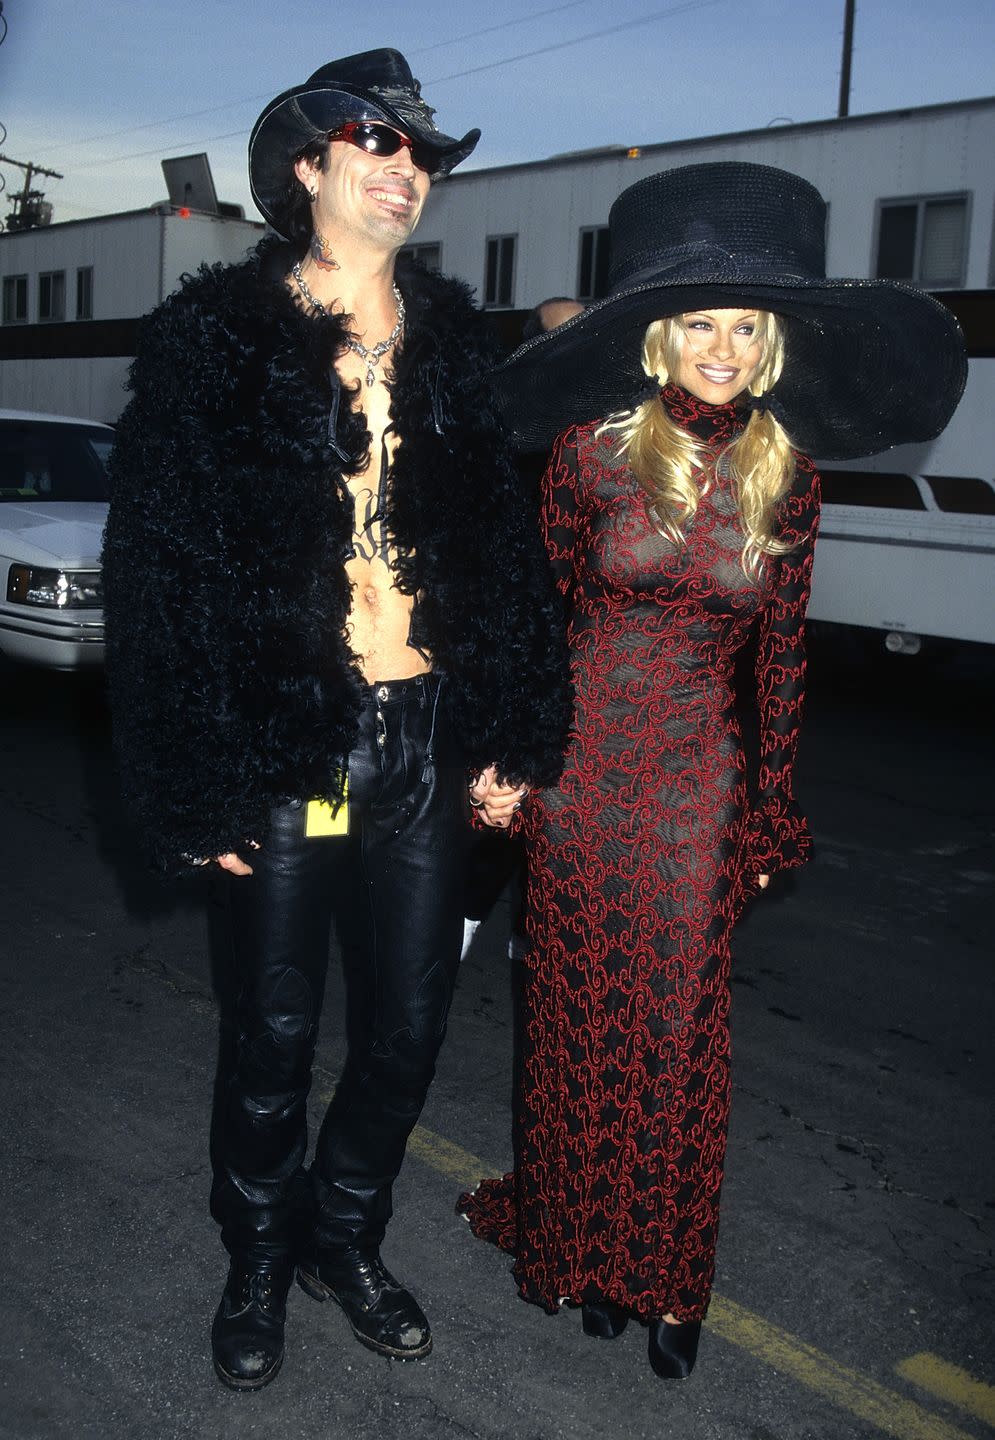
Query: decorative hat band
x,y
703,257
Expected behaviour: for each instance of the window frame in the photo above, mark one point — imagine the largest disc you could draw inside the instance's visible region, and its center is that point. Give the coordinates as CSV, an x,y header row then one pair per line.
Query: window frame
x,y
15,318
84,312
920,201
414,252
52,276
600,235
499,240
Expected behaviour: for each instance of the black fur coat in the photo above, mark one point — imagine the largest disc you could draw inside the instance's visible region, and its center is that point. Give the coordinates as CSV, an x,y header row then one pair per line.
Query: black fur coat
x,y
232,683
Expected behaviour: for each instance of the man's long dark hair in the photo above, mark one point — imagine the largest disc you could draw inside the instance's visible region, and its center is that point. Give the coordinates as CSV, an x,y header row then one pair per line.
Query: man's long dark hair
x,y
298,225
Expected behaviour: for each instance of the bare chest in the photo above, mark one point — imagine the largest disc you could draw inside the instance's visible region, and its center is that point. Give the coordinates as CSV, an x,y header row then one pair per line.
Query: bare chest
x,y
380,615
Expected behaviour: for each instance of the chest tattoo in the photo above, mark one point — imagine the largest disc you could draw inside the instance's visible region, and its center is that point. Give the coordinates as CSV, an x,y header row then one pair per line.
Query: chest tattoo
x,y
369,538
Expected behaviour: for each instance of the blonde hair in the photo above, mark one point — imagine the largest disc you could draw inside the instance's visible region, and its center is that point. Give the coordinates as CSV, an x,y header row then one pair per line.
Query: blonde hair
x,y
663,457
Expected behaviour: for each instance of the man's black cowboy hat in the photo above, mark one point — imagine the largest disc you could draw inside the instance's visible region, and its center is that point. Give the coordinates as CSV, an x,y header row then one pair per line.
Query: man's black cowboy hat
x,y
870,363
374,85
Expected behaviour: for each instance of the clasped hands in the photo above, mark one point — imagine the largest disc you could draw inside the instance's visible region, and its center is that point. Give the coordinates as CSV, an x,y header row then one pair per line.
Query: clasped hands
x,y
496,799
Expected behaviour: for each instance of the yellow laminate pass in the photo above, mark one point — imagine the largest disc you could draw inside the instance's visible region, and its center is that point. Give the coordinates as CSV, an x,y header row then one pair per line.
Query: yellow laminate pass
x,y
321,819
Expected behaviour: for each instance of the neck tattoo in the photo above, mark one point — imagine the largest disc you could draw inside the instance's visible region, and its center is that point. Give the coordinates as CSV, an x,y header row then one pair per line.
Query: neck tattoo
x,y
321,252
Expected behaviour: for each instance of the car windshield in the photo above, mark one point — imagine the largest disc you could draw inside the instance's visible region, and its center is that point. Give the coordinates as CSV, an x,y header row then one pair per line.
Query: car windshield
x,y
53,461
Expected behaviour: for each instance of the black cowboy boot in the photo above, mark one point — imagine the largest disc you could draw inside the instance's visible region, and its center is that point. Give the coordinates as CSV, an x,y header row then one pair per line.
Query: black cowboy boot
x,y
247,1335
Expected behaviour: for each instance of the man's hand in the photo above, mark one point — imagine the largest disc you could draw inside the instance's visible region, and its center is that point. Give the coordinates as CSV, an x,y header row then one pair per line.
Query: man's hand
x,y
234,863
231,862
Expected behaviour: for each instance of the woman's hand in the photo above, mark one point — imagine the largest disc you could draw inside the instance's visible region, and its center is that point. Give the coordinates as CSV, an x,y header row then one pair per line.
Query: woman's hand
x,y
763,881
497,800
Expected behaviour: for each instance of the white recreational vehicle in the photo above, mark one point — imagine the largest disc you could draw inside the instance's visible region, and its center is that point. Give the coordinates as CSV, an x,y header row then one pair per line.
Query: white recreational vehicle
x,y
907,543
907,537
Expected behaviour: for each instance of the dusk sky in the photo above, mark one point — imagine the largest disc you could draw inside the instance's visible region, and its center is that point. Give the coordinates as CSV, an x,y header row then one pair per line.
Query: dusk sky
x,y
104,92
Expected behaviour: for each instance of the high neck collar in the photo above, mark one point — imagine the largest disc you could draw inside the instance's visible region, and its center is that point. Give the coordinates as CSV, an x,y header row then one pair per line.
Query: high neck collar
x,y
712,424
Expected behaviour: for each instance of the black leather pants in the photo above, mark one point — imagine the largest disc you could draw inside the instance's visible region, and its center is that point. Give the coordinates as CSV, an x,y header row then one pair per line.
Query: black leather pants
x,y
393,888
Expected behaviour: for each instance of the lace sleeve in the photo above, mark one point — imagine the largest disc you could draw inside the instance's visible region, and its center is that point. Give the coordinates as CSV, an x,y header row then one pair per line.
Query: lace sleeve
x,y
560,512
778,836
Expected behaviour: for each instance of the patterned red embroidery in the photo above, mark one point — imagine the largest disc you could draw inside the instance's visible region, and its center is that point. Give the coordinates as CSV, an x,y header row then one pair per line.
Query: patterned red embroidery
x,y
639,864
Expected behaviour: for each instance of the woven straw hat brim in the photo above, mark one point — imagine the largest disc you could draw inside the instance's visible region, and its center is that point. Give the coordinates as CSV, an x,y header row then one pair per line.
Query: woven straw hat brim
x,y
301,115
869,363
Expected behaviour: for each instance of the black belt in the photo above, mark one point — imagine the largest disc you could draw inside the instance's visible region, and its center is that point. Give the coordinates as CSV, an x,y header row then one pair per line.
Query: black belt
x,y
391,692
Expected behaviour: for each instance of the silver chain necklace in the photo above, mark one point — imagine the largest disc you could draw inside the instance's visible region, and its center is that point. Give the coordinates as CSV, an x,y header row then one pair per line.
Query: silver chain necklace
x,y
370,358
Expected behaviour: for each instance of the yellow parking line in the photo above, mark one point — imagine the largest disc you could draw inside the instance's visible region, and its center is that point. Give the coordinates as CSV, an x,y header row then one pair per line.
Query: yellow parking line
x,y
950,1383
450,1160
847,1389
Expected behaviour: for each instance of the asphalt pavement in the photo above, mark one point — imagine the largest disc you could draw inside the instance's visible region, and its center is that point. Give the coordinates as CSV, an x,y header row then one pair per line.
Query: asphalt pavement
x,y
854,1295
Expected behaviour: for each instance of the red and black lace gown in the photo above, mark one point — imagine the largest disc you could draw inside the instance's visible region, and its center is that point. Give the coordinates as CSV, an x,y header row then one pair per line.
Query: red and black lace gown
x,y
638,867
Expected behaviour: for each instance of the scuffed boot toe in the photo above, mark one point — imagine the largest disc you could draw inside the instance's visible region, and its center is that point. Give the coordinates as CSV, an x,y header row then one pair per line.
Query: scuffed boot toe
x,y
247,1335
384,1316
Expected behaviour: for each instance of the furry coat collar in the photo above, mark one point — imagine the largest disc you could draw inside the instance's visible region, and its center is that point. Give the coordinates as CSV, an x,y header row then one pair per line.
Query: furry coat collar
x,y
232,682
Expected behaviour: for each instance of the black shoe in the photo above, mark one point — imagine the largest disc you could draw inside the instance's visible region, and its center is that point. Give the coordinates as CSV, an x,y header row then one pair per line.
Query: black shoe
x,y
383,1315
605,1320
673,1348
247,1335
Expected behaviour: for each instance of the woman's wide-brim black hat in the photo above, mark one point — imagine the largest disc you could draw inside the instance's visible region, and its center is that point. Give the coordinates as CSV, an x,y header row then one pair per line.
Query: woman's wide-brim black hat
x,y
869,363
374,85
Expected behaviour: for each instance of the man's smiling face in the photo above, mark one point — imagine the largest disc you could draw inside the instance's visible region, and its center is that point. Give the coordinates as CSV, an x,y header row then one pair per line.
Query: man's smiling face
x,y
376,197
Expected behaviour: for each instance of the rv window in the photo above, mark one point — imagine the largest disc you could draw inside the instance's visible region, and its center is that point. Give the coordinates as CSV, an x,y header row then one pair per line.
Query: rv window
x,y
871,487
962,494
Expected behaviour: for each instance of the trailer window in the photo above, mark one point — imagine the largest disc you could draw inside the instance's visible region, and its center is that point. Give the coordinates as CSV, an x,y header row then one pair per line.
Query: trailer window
x,y
499,276
592,270
962,494
923,239
882,488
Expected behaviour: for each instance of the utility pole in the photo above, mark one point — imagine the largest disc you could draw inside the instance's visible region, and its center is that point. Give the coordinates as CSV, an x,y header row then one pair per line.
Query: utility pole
x,y
30,208
844,105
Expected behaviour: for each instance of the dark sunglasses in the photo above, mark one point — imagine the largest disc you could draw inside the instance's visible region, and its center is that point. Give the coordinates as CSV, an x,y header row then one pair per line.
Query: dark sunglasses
x,y
378,139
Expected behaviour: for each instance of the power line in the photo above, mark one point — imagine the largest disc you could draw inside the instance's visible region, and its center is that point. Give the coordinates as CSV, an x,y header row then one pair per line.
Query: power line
x,y
160,149
670,11
580,39
168,120
503,25
265,94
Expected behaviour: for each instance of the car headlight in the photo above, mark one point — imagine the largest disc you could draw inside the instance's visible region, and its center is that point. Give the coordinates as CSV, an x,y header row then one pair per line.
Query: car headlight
x,y
56,589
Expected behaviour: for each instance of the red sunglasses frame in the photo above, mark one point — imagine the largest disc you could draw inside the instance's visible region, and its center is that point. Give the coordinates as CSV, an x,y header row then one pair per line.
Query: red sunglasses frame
x,y
421,155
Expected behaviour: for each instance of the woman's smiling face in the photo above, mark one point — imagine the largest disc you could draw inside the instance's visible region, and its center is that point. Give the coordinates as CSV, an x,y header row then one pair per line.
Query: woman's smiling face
x,y
720,354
